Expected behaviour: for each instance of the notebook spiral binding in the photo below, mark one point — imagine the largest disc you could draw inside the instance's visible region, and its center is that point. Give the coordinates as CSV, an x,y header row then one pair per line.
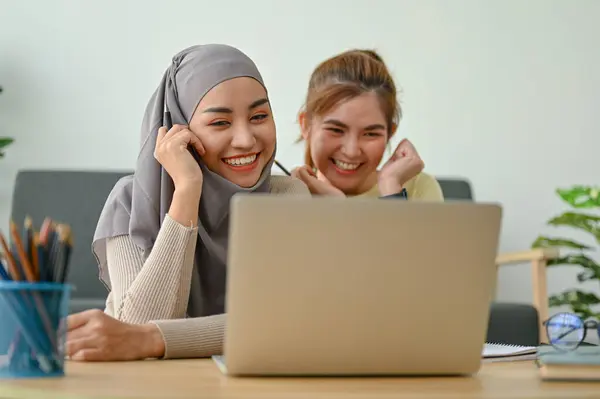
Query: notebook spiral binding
x,y
507,345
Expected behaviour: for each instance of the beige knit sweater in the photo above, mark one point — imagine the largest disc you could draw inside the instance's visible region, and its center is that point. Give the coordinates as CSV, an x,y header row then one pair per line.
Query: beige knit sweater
x,y
157,290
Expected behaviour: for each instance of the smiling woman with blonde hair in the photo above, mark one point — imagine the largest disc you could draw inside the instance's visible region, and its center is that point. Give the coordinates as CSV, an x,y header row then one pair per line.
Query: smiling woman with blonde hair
x,y
350,115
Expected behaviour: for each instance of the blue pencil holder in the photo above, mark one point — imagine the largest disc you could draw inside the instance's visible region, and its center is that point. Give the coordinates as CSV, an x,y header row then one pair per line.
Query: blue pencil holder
x,y
33,329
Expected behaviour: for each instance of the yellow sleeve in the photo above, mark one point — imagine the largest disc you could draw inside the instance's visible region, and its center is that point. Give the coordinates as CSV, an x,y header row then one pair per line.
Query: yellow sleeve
x,y
424,187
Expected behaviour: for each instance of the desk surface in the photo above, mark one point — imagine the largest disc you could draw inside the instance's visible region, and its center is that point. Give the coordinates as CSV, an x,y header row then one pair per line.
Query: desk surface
x,y
201,379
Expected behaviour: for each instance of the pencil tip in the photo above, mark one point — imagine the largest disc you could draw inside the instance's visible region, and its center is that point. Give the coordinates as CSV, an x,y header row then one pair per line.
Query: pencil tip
x,y
64,232
28,222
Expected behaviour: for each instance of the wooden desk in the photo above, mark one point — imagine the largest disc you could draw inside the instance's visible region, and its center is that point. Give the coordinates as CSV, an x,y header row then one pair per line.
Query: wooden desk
x,y
201,379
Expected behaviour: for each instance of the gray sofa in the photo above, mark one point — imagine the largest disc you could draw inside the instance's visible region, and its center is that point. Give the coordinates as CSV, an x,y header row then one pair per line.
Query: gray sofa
x,y
77,197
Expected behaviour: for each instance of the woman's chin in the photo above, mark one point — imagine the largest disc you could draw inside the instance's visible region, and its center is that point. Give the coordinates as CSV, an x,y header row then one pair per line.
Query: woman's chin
x,y
350,184
343,181
245,179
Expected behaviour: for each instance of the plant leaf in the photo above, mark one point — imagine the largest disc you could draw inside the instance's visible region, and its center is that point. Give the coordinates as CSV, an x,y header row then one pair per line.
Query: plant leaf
x,y
4,141
586,275
581,196
584,311
551,242
580,302
586,222
587,263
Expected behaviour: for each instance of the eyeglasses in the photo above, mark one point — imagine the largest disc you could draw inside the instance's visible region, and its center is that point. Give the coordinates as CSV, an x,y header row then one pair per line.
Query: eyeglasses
x,y
566,331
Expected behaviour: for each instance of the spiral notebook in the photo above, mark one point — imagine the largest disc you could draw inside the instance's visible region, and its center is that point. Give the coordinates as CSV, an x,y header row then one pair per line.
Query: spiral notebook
x,y
493,352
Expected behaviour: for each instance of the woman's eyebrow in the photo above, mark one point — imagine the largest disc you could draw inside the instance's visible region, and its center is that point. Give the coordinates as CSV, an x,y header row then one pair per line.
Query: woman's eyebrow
x,y
218,110
376,126
258,103
225,110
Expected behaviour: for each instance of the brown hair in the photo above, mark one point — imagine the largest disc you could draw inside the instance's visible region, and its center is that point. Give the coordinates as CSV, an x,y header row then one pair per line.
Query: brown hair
x,y
348,75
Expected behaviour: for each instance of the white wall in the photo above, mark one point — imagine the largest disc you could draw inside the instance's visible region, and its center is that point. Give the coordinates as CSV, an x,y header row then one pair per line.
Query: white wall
x,y
505,93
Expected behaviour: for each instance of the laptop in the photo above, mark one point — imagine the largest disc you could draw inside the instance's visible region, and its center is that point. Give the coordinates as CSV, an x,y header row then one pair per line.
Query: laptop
x,y
327,286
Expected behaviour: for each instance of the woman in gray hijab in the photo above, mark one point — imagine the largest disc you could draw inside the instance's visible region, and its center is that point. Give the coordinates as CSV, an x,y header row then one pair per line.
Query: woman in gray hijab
x,y
161,240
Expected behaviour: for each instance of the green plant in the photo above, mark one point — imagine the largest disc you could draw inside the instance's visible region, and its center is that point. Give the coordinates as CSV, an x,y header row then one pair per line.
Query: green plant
x,y
583,199
4,141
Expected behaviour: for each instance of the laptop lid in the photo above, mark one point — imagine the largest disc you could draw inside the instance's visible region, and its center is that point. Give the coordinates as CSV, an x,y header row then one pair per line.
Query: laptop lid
x,y
330,286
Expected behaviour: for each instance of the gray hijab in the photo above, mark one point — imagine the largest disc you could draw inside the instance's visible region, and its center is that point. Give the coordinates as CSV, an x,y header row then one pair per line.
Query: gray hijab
x,y
138,203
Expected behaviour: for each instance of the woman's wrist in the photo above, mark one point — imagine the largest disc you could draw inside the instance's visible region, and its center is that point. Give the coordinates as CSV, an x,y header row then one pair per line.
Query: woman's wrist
x,y
184,206
153,341
389,187
189,188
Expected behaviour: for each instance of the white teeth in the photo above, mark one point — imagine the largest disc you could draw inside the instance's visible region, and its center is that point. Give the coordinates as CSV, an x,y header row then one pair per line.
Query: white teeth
x,y
345,165
241,161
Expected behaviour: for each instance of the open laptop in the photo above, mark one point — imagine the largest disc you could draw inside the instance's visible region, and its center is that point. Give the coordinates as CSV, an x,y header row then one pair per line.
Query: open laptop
x,y
327,286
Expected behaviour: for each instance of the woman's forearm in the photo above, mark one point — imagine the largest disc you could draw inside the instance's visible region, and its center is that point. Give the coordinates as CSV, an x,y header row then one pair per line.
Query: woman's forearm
x,y
153,287
197,337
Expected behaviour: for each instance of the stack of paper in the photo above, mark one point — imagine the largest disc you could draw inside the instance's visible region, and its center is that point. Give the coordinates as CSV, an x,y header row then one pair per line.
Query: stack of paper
x,y
502,353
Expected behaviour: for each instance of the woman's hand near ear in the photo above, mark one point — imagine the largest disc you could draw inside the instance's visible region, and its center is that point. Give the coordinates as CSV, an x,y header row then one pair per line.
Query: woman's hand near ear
x,y
172,152
316,186
404,164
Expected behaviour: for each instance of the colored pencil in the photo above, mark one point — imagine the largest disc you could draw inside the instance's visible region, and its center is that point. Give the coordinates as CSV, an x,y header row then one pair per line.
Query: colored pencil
x,y
30,247
21,253
10,259
64,253
4,271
